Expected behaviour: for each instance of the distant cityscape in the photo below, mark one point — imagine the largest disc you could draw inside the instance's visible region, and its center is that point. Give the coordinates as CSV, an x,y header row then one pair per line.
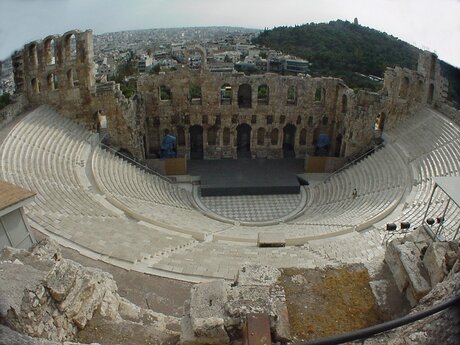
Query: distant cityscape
x,y
228,49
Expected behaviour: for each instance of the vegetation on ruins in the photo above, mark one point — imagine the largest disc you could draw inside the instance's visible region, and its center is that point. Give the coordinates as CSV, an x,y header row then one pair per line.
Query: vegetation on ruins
x,y
4,100
126,69
345,50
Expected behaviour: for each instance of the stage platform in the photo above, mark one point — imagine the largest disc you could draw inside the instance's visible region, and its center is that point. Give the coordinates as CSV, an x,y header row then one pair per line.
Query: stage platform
x,y
247,176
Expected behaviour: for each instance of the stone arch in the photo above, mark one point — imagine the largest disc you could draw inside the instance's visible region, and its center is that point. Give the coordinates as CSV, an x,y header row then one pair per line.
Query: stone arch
x,y
203,57
70,46
195,94
320,94
35,84
310,121
404,87
52,81
274,136
226,136
291,94
50,51
380,122
325,121
243,141
261,136
338,145
245,96
226,94
299,120
263,94
164,93
430,94
196,142
180,136
303,137
212,135
33,57
289,141
344,103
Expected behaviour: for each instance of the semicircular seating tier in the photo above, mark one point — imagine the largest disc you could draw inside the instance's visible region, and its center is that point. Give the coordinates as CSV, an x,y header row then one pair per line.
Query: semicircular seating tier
x,y
100,204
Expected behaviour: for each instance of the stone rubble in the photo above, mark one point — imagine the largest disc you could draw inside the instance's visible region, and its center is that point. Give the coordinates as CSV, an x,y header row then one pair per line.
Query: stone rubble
x,y
50,297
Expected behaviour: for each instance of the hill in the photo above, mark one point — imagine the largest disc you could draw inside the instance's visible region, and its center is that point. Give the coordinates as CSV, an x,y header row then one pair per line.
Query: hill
x,y
345,50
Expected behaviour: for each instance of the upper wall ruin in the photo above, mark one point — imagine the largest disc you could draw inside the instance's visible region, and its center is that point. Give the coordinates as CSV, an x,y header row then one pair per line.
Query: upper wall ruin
x,y
210,113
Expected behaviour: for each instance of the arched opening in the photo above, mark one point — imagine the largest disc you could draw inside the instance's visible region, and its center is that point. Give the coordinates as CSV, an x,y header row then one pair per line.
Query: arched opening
x,y
310,121
243,141
289,141
70,47
195,94
291,95
180,136
404,87
50,51
72,78
35,84
226,136
274,136
338,145
33,58
226,94
165,93
325,121
52,81
303,137
380,122
245,96
212,135
320,94
196,142
299,120
430,94
344,103
262,94
261,136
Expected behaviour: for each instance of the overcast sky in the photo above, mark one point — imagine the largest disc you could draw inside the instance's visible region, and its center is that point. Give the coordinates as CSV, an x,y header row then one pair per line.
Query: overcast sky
x,y
428,24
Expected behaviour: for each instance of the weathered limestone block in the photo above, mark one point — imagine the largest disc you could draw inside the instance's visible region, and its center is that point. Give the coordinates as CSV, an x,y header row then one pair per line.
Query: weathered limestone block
x,y
257,275
207,311
392,258
435,261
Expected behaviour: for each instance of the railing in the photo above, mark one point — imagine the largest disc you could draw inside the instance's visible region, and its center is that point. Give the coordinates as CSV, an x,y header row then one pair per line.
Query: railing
x,y
384,327
354,161
139,165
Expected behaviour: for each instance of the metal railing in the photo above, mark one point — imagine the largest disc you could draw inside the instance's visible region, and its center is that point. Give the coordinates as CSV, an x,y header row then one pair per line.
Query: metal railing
x,y
132,161
385,326
354,161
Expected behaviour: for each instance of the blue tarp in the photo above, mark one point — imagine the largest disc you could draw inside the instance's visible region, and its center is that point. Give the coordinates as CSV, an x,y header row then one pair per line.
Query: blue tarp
x,y
167,146
323,140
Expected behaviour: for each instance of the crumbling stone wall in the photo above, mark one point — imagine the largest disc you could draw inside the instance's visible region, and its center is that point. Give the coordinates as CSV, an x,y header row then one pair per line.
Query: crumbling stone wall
x,y
274,115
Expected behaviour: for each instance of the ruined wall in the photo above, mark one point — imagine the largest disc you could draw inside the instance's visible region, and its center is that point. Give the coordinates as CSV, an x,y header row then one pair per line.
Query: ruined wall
x,y
222,115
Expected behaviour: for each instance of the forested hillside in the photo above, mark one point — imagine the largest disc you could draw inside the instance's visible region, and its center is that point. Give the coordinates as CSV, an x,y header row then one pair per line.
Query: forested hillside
x,y
345,50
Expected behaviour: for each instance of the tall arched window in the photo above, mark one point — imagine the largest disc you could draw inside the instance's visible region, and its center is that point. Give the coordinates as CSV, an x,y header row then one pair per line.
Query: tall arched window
x,y
226,136
70,47
274,136
180,136
262,94
292,95
212,135
303,137
261,136
245,96
50,51
226,94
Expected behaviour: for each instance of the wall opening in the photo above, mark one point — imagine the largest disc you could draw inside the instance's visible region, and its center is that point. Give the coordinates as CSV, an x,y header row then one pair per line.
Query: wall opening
x,y
292,95
52,81
338,145
404,87
303,137
430,94
165,93
50,51
344,103
263,94
243,141
274,136
245,96
180,136
33,57
212,135
226,136
196,142
226,94
35,84
289,141
261,136
70,47
195,94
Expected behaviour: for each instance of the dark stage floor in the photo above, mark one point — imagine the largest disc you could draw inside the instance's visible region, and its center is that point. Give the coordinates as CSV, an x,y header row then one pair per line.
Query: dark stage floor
x,y
247,176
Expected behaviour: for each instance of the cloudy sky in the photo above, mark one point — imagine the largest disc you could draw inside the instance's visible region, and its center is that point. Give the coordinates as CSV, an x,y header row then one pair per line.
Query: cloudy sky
x,y
428,24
